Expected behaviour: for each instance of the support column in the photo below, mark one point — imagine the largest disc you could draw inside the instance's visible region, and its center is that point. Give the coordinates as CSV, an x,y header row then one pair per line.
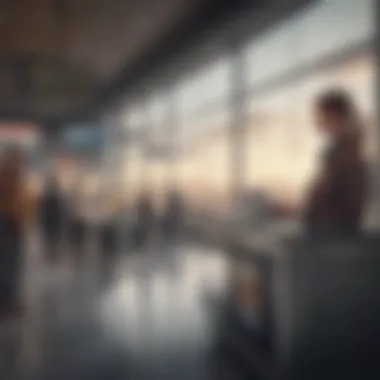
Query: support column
x,y
173,136
238,125
146,127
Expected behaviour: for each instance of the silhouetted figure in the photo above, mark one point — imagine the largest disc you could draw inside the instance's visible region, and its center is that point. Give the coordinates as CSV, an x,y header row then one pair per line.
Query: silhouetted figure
x,y
16,208
77,233
144,220
338,195
172,216
109,236
76,224
52,216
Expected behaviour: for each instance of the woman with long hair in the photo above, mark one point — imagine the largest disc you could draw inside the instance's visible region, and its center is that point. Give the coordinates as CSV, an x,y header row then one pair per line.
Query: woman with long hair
x,y
338,195
15,210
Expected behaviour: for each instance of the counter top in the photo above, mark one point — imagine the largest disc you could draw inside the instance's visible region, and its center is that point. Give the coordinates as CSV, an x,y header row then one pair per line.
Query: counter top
x,y
267,239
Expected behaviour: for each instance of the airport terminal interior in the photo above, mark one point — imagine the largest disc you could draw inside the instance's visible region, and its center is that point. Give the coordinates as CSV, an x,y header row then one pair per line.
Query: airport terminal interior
x,y
173,143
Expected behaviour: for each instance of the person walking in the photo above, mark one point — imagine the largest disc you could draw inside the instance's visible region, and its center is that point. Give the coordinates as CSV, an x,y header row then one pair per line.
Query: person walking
x,y
52,210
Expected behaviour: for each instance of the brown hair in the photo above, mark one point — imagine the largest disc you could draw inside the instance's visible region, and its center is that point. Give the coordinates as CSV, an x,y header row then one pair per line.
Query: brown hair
x,y
337,101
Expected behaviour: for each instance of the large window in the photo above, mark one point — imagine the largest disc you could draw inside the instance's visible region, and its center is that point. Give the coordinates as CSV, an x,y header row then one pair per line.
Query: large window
x,y
208,89
205,165
322,29
133,123
157,149
281,138
326,45
204,115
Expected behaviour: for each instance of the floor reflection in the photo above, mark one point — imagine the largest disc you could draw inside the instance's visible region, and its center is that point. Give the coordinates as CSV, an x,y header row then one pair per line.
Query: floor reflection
x,y
134,316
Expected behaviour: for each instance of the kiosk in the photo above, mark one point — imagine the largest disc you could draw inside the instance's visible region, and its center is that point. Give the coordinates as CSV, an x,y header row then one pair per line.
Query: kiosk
x,y
302,309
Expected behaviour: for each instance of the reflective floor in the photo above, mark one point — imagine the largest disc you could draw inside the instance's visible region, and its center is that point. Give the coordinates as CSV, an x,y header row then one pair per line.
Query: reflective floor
x,y
130,316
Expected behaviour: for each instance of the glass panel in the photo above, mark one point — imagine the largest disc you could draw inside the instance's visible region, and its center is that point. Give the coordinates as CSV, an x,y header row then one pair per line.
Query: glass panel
x,y
135,118
209,86
133,174
272,54
205,168
195,130
133,121
158,146
158,111
325,28
334,25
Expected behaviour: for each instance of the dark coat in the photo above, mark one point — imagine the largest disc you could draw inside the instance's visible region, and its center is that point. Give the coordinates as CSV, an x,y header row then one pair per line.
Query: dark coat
x,y
172,216
52,212
337,197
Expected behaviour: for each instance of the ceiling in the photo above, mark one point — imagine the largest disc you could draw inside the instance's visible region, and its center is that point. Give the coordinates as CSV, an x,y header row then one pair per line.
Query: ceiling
x,y
56,54
69,57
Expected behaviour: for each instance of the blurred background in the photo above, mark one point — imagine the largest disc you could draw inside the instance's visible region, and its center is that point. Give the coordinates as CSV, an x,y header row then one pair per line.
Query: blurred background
x,y
162,140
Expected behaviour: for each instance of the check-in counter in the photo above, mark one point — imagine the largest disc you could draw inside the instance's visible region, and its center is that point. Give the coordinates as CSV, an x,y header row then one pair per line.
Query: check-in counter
x,y
303,308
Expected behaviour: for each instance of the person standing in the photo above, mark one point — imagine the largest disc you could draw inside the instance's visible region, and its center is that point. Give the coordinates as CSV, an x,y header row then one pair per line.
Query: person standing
x,y
16,209
337,197
52,211
145,219
172,217
77,223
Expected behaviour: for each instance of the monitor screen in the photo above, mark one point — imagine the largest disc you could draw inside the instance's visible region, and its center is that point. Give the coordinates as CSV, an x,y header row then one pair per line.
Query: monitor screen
x,y
85,139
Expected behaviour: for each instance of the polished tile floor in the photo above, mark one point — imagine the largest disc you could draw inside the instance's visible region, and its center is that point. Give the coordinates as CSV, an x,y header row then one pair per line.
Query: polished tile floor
x,y
132,316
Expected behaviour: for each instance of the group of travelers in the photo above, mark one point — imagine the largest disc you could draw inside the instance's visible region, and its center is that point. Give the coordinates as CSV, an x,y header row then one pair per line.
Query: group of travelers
x,y
56,216
149,223
58,220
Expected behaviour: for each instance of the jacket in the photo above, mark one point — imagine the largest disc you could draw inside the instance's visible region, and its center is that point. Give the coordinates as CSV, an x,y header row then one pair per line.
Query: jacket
x,y
337,197
16,201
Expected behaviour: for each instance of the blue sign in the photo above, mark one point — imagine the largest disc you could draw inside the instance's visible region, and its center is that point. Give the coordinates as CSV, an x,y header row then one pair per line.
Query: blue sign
x,y
84,139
